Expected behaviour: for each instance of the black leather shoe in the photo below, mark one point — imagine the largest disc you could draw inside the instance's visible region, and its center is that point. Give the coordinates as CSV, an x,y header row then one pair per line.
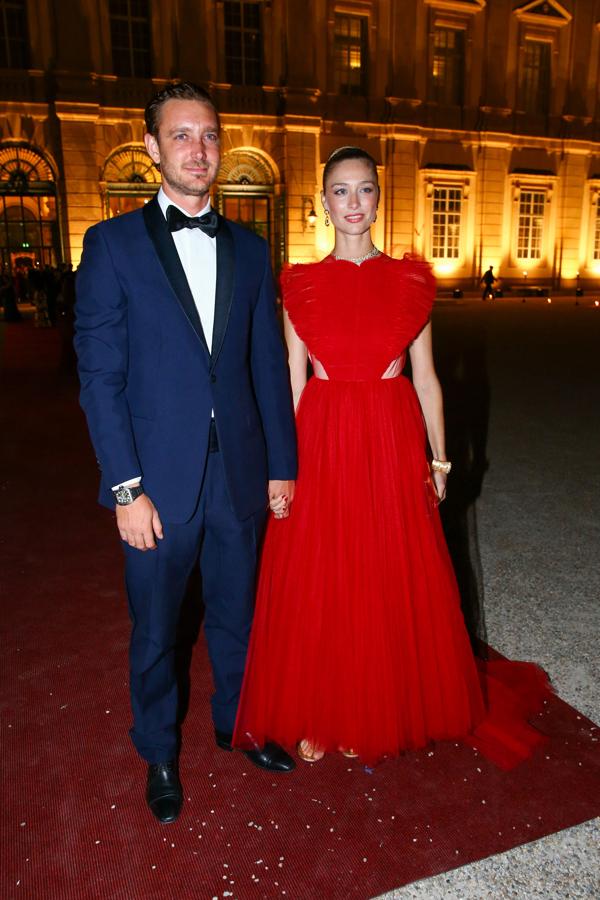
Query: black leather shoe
x,y
164,794
271,756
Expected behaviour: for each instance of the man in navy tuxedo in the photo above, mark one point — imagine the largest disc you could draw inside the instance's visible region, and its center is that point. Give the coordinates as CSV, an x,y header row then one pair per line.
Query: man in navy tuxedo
x,y
185,387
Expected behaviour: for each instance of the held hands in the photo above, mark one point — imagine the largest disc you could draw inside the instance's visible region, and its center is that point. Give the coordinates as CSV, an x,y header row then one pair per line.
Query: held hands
x,y
281,494
139,524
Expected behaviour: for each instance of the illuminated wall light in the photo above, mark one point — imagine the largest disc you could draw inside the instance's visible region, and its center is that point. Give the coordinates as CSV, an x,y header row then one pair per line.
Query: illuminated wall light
x,y
309,215
548,299
596,302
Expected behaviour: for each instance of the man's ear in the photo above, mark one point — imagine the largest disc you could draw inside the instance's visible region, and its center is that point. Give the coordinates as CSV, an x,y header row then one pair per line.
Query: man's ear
x,y
152,148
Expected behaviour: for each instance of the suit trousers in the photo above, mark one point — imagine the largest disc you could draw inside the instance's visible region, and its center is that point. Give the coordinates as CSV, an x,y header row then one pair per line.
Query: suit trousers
x,y
156,584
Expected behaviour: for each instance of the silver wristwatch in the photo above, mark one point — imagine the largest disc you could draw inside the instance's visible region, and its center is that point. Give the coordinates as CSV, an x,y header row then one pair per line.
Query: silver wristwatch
x,y
126,495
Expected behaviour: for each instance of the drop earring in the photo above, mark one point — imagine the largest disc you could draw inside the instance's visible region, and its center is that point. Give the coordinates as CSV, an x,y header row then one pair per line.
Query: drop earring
x,y
327,217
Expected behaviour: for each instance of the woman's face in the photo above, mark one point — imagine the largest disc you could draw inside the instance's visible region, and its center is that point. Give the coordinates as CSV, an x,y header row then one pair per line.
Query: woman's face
x,y
351,195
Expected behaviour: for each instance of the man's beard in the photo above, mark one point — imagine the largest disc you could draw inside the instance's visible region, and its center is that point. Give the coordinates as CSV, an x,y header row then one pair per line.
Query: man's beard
x,y
187,189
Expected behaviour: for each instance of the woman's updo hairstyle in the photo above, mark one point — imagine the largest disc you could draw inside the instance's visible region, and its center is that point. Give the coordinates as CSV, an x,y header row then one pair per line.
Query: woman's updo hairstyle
x,y
344,153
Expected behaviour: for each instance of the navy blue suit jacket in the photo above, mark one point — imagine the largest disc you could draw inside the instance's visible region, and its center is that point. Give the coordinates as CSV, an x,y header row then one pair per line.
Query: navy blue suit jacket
x,y
149,382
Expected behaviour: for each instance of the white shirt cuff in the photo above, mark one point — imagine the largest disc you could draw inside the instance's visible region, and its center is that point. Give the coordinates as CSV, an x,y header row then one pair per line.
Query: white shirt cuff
x,y
132,482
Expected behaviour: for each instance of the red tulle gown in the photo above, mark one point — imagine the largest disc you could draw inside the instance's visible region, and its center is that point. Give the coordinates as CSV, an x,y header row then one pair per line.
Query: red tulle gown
x,y
358,638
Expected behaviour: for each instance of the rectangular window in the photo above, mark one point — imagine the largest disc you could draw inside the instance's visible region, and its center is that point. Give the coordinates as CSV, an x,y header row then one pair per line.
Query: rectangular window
x,y
535,81
130,37
597,233
14,37
447,79
445,230
531,224
350,54
252,211
243,41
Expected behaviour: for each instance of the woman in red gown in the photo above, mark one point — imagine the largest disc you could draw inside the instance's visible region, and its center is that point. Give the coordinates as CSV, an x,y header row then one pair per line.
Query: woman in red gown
x,y
358,642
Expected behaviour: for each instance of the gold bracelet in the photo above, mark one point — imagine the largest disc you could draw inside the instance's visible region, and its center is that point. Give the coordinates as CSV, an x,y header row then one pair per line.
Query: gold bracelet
x,y
441,465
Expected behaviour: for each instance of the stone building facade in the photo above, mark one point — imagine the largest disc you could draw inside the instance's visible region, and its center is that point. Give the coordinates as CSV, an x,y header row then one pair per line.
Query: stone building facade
x,y
483,116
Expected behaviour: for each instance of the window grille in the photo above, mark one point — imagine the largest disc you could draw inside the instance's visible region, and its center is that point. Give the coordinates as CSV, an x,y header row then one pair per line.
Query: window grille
x,y
243,41
531,224
130,37
350,54
446,221
448,66
535,82
14,36
597,233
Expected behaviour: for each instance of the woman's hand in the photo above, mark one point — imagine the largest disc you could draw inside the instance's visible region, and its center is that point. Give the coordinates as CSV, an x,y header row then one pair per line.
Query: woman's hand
x,y
439,482
281,494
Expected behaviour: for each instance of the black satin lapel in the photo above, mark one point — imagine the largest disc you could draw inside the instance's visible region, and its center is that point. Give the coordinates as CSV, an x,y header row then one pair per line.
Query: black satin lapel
x,y
225,283
169,259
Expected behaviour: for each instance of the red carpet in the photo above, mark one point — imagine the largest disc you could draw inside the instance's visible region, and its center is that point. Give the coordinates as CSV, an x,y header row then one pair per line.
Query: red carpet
x,y
74,822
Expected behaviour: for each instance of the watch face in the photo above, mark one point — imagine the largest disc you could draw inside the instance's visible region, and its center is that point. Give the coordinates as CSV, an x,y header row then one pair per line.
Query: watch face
x,y
124,496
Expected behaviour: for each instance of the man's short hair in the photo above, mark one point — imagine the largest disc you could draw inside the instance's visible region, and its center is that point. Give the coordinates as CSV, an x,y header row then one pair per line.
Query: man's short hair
x,y
175,90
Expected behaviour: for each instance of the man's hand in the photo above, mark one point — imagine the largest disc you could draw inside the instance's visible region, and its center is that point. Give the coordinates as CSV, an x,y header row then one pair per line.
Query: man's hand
x,y
281,494
139,524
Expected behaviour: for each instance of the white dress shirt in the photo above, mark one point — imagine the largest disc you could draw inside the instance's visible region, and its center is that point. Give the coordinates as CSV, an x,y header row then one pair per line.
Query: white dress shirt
x,y
198,255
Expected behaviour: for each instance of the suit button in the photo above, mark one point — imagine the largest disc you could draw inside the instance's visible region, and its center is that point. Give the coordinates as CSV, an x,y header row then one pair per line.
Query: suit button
x,y
213,378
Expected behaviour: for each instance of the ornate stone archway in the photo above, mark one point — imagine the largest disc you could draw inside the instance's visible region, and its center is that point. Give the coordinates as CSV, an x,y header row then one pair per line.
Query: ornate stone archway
x,y
249,192
29,232
129,180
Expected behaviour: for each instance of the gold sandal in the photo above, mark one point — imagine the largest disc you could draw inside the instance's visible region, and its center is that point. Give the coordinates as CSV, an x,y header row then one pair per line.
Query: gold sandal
x,y
308,752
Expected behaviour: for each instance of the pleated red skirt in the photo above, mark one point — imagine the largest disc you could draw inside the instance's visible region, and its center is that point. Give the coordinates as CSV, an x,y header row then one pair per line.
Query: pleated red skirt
x,y
358,637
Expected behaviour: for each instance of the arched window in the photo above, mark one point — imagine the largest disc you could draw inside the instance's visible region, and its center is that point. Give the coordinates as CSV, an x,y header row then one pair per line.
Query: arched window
x,y
248,192
29,232
129,180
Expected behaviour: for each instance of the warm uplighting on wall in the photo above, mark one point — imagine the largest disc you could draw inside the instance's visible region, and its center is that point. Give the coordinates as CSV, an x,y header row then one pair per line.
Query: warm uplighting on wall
x,y
494,263
324,241
533,264
445,267
569,271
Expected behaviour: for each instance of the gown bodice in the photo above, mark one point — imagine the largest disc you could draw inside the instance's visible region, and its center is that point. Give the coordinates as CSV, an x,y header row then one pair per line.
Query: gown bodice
x,y
357,321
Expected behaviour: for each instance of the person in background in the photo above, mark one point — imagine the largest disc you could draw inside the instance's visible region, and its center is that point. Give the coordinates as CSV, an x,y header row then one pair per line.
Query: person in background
x,y
488,279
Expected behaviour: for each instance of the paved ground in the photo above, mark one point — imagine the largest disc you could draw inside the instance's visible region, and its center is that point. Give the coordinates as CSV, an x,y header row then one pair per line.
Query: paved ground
x,y
522,383
523,387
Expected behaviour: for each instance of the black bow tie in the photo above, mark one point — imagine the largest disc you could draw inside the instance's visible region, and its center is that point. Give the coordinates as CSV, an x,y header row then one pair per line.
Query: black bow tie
x,y
208,223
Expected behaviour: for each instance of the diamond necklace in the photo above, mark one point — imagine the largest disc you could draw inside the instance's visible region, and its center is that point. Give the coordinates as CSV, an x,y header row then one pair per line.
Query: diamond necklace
x,y
357,260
